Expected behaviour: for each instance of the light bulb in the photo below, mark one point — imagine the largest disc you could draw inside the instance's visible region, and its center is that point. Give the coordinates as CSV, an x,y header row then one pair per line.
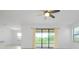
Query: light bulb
x,y
47,14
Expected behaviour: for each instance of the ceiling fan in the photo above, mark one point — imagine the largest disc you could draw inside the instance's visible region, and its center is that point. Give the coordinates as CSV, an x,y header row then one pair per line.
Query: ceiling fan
x,y
49,13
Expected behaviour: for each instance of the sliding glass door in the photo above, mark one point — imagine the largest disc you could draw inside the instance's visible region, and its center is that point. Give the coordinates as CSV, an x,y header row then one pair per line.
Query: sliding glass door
x,y
44,38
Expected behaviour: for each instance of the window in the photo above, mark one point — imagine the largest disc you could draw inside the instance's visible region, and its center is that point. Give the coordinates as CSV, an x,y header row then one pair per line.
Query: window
x,y
76,34
19,35
44,38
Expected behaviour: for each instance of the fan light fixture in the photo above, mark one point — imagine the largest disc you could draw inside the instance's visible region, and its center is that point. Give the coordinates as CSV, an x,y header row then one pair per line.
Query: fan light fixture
x,y
47,14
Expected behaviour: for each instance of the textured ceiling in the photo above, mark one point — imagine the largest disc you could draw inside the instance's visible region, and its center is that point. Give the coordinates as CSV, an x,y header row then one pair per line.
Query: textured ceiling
x,y
18,17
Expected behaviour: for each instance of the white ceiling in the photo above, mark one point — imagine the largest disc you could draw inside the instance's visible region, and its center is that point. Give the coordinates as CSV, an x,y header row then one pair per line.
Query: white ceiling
x,y
18,17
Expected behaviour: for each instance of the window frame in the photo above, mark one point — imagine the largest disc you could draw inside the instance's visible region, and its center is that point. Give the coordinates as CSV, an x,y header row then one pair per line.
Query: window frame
x,y
73,35
55,30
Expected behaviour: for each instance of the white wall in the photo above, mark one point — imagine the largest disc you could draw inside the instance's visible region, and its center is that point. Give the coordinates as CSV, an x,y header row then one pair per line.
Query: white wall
x,y
5,35
8,38
15,40
75,45
27,37
63,41
64,38
31,20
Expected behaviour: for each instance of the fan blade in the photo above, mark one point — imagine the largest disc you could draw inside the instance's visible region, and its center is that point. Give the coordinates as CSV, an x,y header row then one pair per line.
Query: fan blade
x,y
52,16
45,11
54,11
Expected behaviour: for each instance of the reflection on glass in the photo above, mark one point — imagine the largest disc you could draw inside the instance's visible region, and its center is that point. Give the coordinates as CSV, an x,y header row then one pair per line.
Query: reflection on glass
x,y
38,38
45,36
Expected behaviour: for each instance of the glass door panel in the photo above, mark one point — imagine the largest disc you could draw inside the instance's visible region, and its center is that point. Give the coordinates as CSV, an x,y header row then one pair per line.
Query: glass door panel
x,y
38,39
